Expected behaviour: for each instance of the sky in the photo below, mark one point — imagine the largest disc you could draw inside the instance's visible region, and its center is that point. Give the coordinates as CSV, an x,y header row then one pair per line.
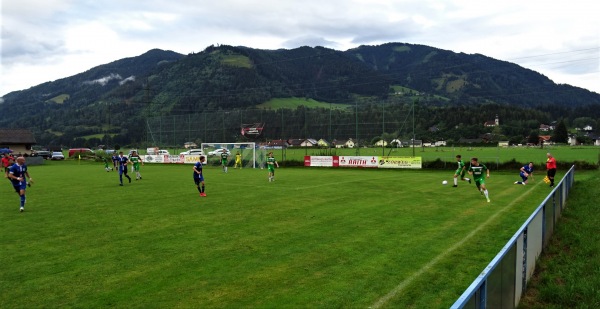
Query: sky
x,y
46,40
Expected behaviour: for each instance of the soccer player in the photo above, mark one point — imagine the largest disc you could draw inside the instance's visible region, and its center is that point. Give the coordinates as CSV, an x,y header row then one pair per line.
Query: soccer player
x,y
477,170
199,176
461,170
115,159
271,163
525,172
136,160
238,160
551,168
123,161
106,167
224,156
18,175
7,161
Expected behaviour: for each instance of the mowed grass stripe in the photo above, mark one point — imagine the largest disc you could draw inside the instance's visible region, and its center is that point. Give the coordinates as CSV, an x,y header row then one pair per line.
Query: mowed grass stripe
x,y
398,289
313,238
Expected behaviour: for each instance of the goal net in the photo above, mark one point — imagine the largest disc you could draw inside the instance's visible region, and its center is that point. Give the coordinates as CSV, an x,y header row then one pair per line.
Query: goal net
x,y
246,150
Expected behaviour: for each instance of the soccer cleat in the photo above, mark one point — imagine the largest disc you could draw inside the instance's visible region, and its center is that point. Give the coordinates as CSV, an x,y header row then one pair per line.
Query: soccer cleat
x,y
121,184
22,209
469,180
454,186
488,200
516,182
203,194
523,183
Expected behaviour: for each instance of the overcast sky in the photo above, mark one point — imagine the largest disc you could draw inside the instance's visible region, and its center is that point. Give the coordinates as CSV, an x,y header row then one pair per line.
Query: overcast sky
x,y
45,40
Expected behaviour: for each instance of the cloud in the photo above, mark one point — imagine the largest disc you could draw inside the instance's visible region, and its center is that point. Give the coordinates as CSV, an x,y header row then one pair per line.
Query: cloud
x,y
104,80
128,79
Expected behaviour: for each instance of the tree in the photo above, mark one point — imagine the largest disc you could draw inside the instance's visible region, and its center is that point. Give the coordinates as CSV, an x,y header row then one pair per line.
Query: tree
x,y
560,133
533,137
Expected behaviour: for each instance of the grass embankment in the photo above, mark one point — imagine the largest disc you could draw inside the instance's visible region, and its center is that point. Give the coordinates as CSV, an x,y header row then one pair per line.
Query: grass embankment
x,y
568,272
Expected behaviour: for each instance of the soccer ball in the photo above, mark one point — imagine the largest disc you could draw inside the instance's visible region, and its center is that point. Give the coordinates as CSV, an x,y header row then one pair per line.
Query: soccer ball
x,y
444,182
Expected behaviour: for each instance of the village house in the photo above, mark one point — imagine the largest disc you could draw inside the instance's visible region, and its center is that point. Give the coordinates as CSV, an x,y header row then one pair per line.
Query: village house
x,y
17,140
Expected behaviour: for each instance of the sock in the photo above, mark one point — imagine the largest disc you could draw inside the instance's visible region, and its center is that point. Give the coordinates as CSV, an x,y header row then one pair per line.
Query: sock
x,y
486,194
202,189
121,178
467,179
456,181
23,200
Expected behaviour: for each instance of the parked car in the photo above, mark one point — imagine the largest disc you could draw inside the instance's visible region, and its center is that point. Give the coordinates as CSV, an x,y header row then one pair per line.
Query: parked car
x,y
43,153
80,151
57,156
197,152
218,152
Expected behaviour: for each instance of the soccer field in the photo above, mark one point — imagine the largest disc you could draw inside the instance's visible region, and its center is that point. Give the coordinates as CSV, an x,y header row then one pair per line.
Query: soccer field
x,y
315,237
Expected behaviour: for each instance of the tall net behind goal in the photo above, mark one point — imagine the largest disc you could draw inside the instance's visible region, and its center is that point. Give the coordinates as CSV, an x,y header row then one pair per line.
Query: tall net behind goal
x,y
246,150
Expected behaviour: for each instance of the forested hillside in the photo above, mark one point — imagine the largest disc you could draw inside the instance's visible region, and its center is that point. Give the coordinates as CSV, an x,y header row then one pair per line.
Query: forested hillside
x,y
456,93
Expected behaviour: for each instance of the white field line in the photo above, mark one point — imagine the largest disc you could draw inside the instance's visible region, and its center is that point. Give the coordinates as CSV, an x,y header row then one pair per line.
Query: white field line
x,y
381,301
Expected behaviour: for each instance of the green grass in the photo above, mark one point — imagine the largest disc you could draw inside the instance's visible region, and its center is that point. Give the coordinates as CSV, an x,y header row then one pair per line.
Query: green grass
x,y
590,154
316,237
292,103
568,273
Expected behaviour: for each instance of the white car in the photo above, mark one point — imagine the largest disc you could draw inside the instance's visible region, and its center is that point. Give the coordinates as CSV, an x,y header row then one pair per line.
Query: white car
x,y
196,152
218,152
57,156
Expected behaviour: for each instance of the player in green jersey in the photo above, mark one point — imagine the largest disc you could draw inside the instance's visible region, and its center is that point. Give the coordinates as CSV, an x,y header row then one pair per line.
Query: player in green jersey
x,y
478,170
461,170
137,160
271,163
224,157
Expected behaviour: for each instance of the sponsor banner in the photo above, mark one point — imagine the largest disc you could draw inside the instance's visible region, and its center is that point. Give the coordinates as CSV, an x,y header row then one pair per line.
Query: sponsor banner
x,y
318,161
190,159
357,161
400,162
163,159
153,159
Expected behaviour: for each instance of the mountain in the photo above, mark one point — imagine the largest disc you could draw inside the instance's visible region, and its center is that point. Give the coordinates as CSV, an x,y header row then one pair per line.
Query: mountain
x,y
115,99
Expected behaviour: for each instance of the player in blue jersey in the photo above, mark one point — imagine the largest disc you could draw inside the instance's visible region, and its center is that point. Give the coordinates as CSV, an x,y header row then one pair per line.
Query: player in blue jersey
x,y
199,176
123,161
525,172
115,160
18,175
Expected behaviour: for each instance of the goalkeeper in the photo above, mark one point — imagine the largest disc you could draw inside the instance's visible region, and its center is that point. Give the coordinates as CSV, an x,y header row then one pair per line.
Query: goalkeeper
x,y
238,160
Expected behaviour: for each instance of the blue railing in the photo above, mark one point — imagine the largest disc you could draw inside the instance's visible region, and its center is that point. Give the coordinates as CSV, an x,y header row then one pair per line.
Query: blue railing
x,y
502,283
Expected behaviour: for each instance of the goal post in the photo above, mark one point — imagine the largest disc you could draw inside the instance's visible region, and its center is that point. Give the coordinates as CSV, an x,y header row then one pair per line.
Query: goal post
x,y
246,150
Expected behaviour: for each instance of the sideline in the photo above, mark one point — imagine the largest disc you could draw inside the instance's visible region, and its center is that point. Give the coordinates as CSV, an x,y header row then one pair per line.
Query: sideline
x,y
381,301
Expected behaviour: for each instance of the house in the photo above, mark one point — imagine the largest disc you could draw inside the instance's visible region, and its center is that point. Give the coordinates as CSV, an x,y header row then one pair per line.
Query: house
x,y
381,143
503,144
587,128
187,145
545,128
440,143
572,140
309,142
546,139
396,143
323,143
278,143
295,142
492,123
349,143
18,140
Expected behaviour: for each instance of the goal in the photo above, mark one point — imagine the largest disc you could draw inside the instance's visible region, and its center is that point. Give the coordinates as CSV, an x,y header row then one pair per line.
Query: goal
x,y
246,150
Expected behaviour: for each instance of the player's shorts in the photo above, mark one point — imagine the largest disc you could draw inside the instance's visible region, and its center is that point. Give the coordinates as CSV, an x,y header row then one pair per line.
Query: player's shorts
x,y
460,172
136,167
479,182
198,179
224,162
551,172
523,176
271,169
22,185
